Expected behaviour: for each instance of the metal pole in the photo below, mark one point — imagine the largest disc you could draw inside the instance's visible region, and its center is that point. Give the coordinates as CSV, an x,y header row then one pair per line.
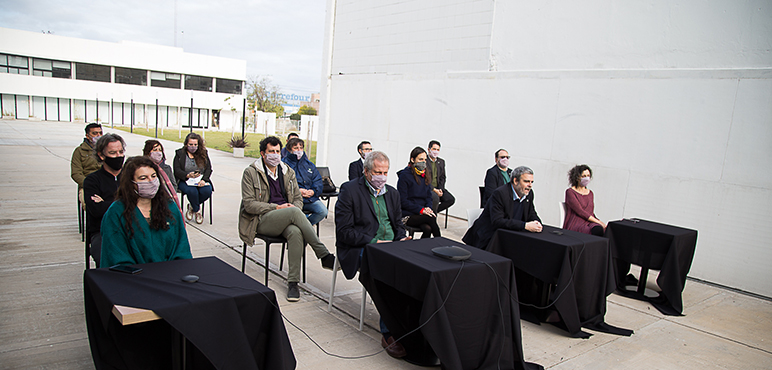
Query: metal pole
x,y
156,118
97,110
131,129
190,116
243,118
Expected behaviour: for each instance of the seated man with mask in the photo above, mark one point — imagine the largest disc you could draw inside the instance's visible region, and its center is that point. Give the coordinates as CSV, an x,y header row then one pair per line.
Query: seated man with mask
x,y
271,205
99,188
510,207
368,211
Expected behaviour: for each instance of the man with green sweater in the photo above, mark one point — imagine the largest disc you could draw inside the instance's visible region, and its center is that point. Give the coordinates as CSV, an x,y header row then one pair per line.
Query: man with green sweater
x,y
83,162
368,211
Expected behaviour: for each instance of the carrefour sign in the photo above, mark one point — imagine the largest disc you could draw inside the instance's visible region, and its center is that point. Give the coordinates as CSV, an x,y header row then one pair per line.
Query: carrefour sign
x,y
289,98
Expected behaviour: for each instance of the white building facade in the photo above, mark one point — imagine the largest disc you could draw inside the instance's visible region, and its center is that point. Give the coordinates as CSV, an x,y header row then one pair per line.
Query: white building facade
x,y
50,77
670,103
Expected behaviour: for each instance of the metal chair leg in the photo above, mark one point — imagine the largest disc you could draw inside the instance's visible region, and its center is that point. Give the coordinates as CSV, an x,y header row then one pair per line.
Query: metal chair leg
x,y
332,285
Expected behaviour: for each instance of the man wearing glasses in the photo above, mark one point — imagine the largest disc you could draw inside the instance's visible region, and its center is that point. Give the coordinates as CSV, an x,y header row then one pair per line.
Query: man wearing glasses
x,y
498,175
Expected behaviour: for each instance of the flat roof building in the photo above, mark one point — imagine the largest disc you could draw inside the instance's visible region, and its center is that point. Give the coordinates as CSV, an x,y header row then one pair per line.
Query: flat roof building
x,y
51,77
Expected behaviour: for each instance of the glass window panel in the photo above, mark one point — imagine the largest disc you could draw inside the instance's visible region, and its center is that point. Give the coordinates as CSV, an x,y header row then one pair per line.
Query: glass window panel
x,y
173,76
23,71
198,83
47,74
37,73
43,64
92,72
3,60
14,61
228,86
61,65
160,76
130,76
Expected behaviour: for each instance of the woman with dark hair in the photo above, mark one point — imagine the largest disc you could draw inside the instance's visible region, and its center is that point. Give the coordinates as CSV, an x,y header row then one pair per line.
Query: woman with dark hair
x,y
415,193
580,203
155,151
192,168
142,225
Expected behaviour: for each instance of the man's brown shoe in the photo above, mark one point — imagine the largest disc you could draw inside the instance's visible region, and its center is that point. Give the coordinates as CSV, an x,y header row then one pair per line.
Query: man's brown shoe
x,y
394,349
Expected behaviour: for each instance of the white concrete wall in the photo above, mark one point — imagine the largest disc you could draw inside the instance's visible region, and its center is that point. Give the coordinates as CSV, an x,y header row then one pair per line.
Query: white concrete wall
x,y
670,103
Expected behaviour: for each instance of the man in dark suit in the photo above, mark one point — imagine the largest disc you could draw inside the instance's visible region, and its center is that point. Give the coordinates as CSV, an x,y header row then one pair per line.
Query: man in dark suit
x,y
497,176
368,211
356,167
442,199
509,207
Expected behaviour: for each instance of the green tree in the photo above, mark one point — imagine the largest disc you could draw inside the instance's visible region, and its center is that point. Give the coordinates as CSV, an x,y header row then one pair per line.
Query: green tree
x,y
295,117
306,110
264,96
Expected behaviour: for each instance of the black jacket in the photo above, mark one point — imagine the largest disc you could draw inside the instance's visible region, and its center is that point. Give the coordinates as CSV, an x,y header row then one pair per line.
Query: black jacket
x,y
498,214
356,170
493,181
356,223
105,185
179,167
441,176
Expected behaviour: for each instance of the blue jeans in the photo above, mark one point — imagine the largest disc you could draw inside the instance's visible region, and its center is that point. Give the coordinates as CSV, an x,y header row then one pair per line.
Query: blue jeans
x,y
315,211
196,195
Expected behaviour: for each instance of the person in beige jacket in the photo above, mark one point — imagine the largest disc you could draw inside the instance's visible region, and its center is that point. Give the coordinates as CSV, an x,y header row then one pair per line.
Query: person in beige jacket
x,y
83,161
271,205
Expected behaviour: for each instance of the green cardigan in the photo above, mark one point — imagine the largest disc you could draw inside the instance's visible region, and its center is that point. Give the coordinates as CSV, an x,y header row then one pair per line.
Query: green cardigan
x,y
147,245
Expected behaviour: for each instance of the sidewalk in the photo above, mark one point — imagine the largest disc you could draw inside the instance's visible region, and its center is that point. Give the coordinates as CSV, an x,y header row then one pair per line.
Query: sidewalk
x,y
42,259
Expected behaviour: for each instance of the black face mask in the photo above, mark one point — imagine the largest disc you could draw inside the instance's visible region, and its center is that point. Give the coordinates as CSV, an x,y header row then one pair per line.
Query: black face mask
x,y
114,163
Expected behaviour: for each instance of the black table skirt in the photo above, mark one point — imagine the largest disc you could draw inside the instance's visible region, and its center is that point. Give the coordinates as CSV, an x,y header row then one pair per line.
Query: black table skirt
x,y
652,245
234,323
479,326
579,265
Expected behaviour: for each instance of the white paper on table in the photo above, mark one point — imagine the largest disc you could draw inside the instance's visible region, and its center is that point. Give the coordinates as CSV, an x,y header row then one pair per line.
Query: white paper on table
x,y
193,181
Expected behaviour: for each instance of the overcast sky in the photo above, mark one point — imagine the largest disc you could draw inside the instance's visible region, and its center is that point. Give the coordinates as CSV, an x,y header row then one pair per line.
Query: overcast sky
x,y
278,38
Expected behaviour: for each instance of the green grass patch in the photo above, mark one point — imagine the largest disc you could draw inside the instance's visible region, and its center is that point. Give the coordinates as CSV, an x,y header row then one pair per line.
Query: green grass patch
x,y
217,140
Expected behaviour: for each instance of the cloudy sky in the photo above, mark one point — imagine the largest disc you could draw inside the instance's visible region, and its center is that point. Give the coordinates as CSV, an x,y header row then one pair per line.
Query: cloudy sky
x,y
278,38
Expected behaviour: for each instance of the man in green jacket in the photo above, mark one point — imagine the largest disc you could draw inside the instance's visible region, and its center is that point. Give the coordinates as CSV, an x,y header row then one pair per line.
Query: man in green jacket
x,y
271,205
83,162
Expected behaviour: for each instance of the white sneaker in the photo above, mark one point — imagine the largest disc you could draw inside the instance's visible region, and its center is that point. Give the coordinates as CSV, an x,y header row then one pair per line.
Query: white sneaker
x,y
189,213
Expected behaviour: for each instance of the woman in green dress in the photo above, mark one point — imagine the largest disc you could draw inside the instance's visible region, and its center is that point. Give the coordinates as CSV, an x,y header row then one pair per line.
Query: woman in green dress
x,y
142,225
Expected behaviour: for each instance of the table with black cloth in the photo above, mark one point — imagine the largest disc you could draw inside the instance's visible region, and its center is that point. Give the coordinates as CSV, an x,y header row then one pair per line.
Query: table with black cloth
x,y
578,265
478,327
230,320
652,245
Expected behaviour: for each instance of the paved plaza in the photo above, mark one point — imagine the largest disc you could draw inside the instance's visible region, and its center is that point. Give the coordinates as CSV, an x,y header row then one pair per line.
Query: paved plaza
x,y
42,324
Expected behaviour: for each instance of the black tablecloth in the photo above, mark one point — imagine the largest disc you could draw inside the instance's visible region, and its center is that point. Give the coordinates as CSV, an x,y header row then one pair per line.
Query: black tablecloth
x,y
578,264
669,249
226,315
479,326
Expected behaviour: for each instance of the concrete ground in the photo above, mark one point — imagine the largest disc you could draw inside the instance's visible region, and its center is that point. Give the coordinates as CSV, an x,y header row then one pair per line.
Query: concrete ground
x,y
42,322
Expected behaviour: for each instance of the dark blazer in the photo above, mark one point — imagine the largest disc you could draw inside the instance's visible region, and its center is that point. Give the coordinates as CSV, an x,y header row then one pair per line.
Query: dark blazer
x,y
441,176
493,181
179,167
356,223
413,195
498,214
356,169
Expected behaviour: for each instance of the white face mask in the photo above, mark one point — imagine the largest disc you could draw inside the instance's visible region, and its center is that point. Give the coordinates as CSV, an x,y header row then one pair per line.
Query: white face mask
x,y
157,157
434,153
298,153
504,162
378,181
585,181
273,159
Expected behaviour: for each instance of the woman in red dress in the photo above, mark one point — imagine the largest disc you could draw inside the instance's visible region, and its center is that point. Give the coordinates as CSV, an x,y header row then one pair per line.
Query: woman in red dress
x,y
580,203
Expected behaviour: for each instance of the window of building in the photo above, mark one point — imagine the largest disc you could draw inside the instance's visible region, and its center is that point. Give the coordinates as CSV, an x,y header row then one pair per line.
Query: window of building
x,y
92,72
163,79
14,64
51,68
130,76
198,83
228,86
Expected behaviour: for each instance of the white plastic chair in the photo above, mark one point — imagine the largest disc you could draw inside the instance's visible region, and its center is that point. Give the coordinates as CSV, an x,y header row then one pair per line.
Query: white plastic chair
x,y
472,215
563,211
335,268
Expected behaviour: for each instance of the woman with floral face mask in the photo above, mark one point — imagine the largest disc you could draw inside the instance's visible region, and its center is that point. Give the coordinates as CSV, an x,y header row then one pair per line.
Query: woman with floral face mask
x,y
580,203
155,151
415,193
193,169
142,225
